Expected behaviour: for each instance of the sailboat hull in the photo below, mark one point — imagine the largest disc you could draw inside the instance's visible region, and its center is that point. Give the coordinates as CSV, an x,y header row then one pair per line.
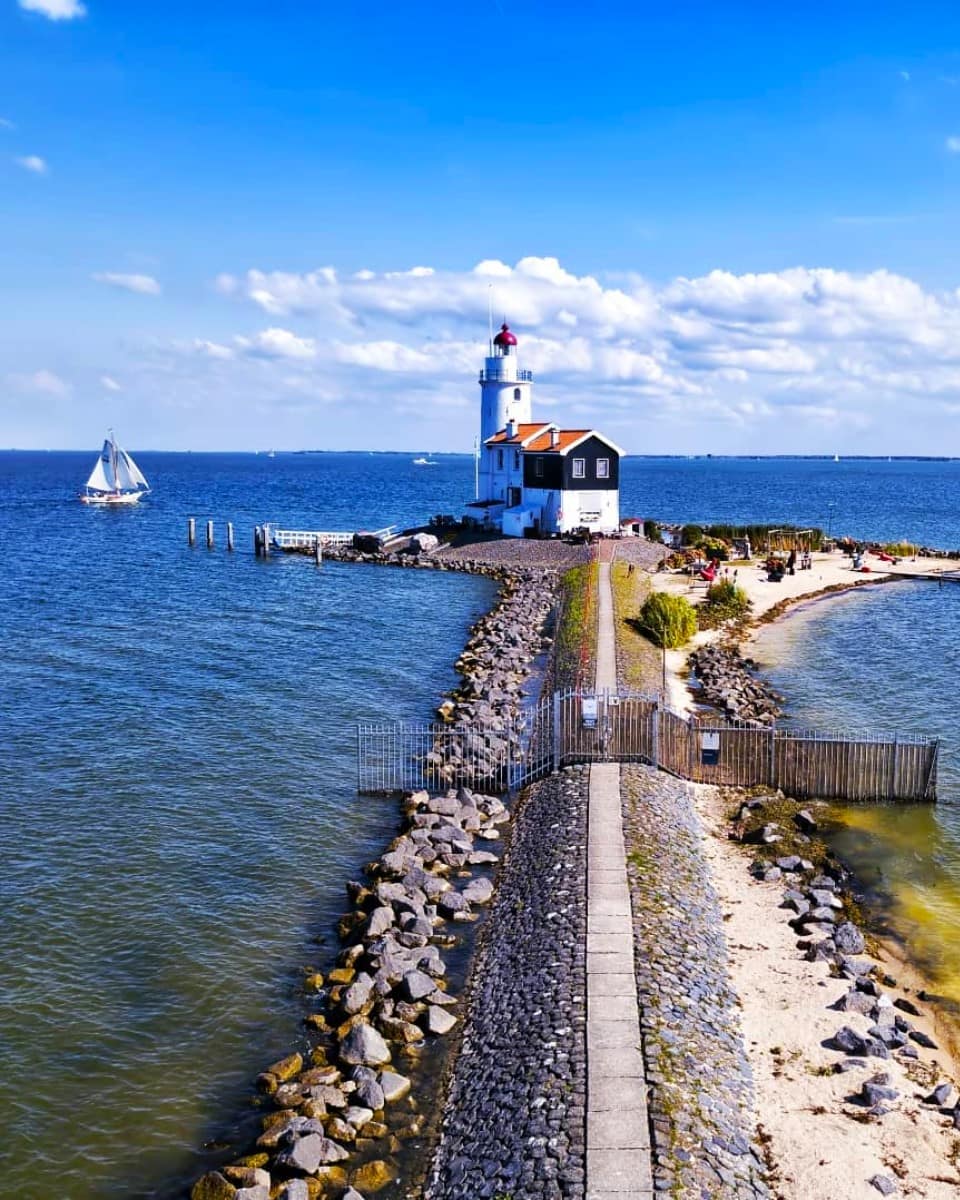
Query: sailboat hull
x,y
112,498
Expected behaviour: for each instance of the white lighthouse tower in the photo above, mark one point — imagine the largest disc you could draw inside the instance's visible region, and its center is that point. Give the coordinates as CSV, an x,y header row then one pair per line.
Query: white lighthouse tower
x,y
505,389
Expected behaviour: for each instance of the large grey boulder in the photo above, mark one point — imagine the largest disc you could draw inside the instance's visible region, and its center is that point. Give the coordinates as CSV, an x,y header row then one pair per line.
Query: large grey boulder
x,y
363,1046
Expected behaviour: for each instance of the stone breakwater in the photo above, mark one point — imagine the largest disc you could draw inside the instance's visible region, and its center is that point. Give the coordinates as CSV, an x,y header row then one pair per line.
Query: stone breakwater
x,y
700,1083
873,1022
514,1123
728,682
340,1108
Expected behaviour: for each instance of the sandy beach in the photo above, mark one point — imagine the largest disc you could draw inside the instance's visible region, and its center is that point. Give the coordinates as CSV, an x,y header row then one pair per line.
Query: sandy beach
x,y
828,574
823,1145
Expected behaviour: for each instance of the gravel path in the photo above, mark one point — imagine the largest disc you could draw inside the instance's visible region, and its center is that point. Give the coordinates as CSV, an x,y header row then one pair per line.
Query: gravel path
x,y
518,552
514,1117
701,1090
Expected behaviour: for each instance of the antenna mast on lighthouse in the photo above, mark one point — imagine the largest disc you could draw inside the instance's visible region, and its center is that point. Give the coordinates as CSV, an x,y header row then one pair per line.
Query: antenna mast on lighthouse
x,y
490,318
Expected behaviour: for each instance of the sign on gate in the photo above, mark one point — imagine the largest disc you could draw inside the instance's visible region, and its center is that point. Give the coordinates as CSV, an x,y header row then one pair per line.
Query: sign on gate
x,y
710,749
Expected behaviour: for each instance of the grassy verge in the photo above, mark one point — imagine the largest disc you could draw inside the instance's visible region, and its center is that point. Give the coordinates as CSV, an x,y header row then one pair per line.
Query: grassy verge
x,y
638,661
576,652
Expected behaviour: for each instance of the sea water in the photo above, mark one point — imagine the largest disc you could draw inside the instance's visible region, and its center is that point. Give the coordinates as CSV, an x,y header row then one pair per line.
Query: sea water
x,y
887,659
177,799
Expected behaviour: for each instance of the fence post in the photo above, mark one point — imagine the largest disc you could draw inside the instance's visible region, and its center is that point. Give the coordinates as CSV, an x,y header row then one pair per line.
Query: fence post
x,y
509,757
556,731
892,789
773,756
656,735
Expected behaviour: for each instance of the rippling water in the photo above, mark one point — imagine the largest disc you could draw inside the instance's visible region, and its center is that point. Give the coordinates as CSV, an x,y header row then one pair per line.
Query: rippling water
x,y
887,658
177,792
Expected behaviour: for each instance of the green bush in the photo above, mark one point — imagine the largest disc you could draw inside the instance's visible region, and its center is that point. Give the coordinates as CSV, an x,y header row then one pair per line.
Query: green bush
x,y
900,549
651,531
668,621
691,535
714,548
725,602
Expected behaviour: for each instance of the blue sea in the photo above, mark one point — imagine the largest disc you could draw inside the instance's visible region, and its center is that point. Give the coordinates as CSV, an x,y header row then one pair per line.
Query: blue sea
x,y
178,800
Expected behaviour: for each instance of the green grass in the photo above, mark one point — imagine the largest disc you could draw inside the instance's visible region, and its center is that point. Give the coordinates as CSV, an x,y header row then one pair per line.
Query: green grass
x,y
638,661
576,647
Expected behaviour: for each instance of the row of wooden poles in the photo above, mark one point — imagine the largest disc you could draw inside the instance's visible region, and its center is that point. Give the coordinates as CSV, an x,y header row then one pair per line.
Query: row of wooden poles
x,y
261,539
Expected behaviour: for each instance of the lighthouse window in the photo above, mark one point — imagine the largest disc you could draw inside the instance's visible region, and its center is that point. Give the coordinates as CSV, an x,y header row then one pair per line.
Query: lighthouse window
x,y
603,468
499,460
579,468
516,393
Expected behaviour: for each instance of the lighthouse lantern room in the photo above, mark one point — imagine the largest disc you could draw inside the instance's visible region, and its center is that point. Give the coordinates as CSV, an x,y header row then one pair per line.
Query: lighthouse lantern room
x,y
534,478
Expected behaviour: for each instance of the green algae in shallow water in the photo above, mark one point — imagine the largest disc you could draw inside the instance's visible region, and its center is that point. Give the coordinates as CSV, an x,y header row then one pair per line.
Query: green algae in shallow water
x,y
909,889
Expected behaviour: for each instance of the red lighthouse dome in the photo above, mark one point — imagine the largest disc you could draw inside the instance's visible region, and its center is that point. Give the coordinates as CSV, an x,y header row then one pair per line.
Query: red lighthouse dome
x,y
504,337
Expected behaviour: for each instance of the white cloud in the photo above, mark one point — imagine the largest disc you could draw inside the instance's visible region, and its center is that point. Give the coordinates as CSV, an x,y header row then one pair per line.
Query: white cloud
x,y
770,355
144,285
953,144
278,343
5,124
110,384
41,382
34,163
905,76
56,10
212,349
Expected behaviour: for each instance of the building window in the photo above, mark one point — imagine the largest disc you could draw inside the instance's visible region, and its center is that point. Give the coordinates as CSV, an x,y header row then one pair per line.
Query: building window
x,y
516,393
603,468
538,467
579,468
499,460
516,460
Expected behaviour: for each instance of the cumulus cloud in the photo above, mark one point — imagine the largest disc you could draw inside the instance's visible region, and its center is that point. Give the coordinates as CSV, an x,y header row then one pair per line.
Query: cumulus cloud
x,y
33,163
111,385
144,285
278,343
785,351
41,382
56,10
5,124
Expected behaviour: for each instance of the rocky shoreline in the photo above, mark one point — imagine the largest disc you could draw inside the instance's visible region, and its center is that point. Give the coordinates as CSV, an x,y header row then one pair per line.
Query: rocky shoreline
x,y
728,681
340,1108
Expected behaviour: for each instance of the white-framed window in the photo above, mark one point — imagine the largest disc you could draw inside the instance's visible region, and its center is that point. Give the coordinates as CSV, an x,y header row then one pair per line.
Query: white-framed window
x,y
603,468
499,460
579,468
538,467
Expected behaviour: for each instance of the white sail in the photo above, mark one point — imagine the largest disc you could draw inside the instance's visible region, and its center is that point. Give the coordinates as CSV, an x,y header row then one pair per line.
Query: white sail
x,y
102,476
129,475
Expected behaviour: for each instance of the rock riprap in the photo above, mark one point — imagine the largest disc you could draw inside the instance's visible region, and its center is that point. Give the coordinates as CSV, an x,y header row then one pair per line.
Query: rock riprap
x,y
338,1108
514,1120
728,682
702,1122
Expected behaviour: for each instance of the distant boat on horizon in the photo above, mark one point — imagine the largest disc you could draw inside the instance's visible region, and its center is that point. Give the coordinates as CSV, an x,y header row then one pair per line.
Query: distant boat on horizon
x,y
425,462
836,458
116,478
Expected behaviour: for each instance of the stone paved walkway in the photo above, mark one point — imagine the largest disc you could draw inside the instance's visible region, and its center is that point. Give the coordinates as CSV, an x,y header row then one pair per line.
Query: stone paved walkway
x,y
618,1131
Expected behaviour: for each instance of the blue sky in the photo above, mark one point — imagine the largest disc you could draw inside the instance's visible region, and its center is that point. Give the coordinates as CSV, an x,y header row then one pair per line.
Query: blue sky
x,y
714,226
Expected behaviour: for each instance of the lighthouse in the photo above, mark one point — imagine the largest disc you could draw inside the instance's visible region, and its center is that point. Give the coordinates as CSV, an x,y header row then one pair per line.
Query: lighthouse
x,y
505,389
536,479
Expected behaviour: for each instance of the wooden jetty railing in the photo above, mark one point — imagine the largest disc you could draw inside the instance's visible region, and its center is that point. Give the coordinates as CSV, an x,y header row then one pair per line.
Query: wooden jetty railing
x,y
304,539
579,726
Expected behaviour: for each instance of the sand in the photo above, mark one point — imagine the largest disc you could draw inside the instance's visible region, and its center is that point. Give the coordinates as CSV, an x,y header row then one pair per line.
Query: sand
x,y
821,1151
829,571
819,1147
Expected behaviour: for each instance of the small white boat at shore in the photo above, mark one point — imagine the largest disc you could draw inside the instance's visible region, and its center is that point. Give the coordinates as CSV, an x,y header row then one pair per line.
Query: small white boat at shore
x,y
116,478
424,462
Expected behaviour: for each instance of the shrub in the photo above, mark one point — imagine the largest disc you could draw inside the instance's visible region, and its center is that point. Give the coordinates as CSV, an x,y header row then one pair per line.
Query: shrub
x,y
900,549
691,535
668,621
725,602
651,531
714,548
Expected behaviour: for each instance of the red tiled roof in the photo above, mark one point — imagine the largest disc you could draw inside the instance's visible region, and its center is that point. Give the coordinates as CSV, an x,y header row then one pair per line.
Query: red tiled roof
x,y
568,437
523,432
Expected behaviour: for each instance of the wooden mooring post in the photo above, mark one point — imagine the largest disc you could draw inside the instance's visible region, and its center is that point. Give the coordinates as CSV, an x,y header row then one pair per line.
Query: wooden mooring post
x,y
191,531
209,535
230,535
318,552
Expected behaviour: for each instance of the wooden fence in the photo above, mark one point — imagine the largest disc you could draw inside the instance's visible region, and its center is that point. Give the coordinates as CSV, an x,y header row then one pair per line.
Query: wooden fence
x,y
576,726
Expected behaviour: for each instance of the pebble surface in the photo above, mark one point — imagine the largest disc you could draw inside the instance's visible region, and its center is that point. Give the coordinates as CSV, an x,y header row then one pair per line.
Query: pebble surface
x,y
701,1089
514,1119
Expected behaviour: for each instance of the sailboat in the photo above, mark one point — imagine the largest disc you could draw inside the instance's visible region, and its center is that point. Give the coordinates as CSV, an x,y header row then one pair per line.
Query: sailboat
x,y
116,478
